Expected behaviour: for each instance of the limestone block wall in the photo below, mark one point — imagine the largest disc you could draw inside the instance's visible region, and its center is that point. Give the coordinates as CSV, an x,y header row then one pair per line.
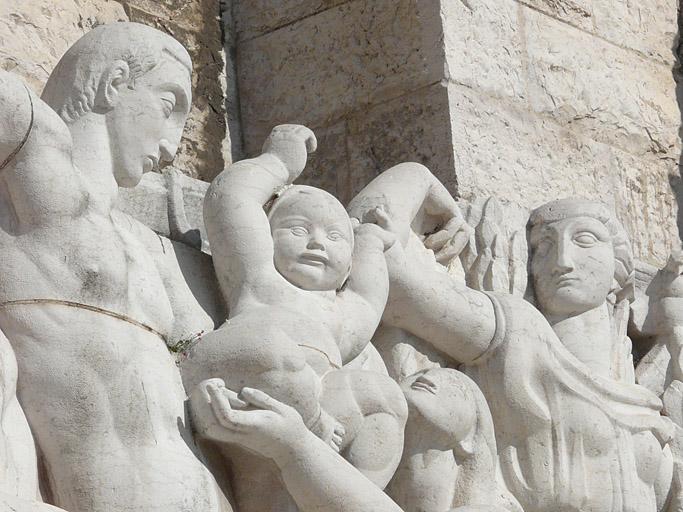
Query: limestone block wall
x,y
527,100
364,74
552,98
34,34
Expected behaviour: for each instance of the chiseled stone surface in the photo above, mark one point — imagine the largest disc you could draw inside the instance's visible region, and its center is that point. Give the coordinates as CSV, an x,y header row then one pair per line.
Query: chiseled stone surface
x,y
528,157
35,34
645,27
315,70
610,94
257,17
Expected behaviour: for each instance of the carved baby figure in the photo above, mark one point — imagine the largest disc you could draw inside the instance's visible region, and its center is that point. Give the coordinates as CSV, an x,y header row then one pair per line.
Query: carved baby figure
x,y
306,288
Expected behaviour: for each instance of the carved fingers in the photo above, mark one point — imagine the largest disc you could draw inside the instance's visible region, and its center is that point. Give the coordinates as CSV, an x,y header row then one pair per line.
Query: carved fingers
x,y
329,430
251,419
291,143
450,241
377,223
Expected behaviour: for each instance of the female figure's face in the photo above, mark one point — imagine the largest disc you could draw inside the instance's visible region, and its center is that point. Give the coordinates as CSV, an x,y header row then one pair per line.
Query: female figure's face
x,y
441,404
572,266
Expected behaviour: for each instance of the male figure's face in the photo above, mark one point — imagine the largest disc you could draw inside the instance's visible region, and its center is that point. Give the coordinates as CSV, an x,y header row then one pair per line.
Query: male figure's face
x,y
146,124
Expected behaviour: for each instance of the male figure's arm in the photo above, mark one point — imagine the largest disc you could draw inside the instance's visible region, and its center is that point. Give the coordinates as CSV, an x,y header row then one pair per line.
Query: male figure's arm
x,y
15,116
35,157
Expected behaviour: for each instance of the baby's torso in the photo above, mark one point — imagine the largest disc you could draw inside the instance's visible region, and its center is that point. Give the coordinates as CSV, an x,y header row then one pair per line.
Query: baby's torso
x,y
311,324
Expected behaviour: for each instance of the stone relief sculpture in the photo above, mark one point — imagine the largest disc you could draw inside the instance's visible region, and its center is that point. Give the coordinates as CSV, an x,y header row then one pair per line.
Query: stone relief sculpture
x,y
498,389
83,303
544,376
18,475
306,289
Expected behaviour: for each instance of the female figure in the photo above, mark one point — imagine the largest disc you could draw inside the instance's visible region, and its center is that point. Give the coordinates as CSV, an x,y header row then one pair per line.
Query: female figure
x,y
449,457
570,436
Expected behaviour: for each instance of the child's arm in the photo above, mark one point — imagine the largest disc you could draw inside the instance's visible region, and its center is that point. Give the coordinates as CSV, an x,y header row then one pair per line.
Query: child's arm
x,y
236,224
364,297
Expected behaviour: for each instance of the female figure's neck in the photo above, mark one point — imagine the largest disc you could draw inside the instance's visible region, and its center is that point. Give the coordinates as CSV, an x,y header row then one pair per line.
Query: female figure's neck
x,y
424,480
588,336
433,479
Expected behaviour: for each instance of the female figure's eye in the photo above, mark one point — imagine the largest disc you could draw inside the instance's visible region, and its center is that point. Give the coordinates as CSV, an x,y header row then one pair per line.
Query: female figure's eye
x,y
335,235
585,239
299,230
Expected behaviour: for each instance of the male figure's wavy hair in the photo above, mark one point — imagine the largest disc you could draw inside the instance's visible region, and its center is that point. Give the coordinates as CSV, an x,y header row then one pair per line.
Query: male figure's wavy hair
x,y
72,87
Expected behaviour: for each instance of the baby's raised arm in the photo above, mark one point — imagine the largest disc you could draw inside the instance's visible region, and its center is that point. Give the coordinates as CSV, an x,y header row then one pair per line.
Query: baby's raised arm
x,y
363,299
236,224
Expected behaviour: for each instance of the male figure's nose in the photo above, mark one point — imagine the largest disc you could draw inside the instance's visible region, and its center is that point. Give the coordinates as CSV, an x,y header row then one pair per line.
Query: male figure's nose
x,y
167,150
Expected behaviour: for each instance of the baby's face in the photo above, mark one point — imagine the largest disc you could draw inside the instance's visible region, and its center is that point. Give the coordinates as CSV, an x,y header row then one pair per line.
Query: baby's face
x,y
313,239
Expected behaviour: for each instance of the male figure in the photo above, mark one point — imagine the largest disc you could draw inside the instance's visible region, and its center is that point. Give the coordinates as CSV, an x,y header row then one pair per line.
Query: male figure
x,y
81,298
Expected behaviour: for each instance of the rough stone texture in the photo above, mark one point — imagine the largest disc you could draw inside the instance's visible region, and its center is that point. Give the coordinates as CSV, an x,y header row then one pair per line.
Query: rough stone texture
x,y
646,27
35,34
556,161
327,69
257,17
540,110
514,98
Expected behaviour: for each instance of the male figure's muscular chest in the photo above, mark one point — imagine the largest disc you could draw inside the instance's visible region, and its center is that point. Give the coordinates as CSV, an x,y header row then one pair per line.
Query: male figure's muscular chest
x,y
88,261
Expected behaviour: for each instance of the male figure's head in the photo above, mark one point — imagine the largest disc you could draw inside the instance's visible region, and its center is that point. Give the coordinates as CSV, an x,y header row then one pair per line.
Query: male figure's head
x,y
124,90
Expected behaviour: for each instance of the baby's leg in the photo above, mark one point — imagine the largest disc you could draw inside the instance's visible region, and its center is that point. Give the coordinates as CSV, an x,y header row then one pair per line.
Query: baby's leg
x,y
373,410
260,357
